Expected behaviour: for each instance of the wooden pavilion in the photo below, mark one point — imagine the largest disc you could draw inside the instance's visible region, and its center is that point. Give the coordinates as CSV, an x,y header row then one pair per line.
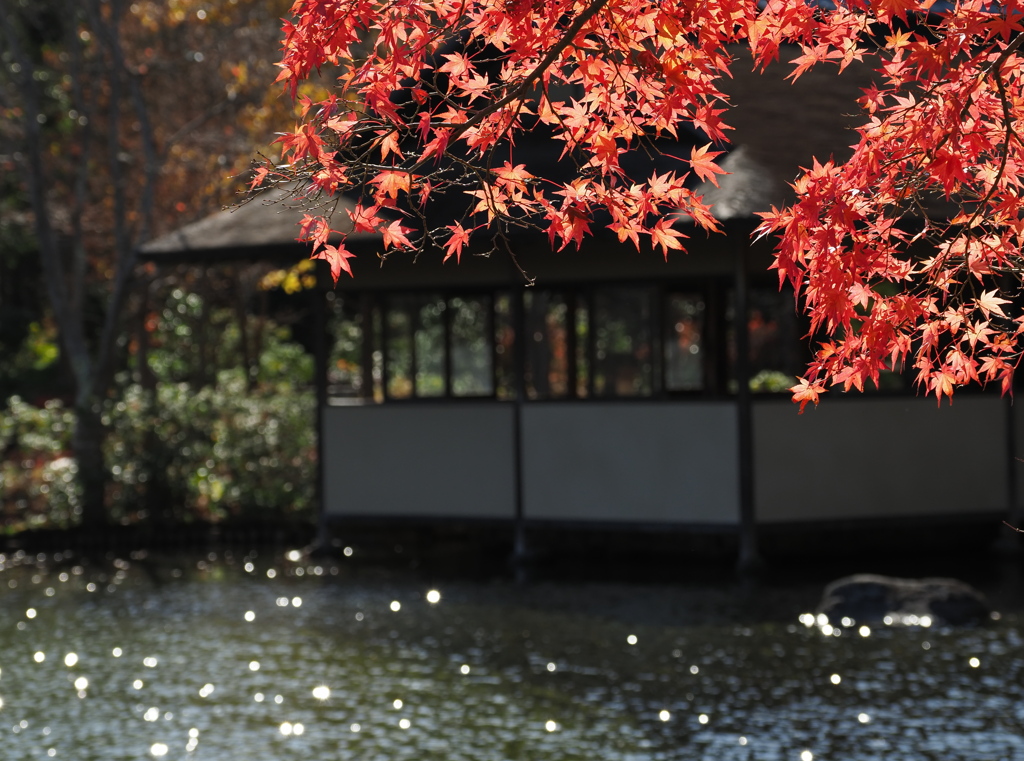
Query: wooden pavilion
x,y
622,390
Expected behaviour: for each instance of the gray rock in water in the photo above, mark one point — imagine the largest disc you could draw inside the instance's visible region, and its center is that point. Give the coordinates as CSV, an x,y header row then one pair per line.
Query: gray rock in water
x,y
868,598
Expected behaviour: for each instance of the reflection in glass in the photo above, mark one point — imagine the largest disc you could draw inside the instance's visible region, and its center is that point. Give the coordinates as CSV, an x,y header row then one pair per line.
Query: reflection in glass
x,y
684,359
430,339
399,327
607,341
472,358
345,362
776,355
415,346
582,319
622,342
504,347
547,345
430,348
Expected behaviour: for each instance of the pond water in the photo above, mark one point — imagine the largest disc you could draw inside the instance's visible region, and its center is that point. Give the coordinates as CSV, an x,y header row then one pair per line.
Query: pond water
x,y
253,657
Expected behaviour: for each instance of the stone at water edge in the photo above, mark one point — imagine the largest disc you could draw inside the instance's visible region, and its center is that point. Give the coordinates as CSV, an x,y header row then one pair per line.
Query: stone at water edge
x,y
868,598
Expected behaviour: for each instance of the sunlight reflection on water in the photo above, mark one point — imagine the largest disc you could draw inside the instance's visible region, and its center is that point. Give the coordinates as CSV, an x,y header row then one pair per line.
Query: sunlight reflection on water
x,y
164,664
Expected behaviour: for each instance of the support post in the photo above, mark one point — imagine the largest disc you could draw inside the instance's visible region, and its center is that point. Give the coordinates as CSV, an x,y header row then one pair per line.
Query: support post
x,y
1008,542
519,547
1013,512
749,560
320,269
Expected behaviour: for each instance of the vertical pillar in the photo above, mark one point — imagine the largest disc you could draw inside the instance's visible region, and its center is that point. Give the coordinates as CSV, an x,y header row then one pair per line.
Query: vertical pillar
x,y
1013,512
749,559
519,548
1007,541
320,289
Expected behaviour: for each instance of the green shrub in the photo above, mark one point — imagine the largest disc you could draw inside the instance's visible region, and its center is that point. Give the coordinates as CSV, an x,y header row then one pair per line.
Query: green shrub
x,y
37,474
200,445
771,382
183,454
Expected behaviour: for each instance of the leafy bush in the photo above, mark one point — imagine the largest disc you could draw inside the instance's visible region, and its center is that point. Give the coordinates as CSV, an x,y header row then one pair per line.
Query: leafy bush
x,y
181,454
771,382
198,444
37,473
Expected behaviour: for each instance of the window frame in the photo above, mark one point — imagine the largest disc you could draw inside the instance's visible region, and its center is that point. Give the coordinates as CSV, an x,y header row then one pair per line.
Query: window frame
x,y
581,345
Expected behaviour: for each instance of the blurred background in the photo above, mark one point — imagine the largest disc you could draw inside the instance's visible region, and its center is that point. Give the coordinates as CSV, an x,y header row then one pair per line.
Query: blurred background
x,y
147,396
119,122
176,404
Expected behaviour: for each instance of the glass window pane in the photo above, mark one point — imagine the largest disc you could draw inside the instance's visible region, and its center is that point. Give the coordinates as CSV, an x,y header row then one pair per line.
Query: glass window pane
x,y
345,376
622,342
430,349
547,352
399,325
376,357
472,355
582,326
684,357
777,354
504,347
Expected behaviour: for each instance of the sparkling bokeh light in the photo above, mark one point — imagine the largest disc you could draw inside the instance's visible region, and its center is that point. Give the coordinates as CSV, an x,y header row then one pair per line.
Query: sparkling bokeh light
x,y
157,664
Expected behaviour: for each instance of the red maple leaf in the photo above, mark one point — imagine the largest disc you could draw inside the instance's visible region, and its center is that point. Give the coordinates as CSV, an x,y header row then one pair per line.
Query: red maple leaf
x,y
337,257
807,391
663,235
390,184
258,177
394,236
704,165
458,239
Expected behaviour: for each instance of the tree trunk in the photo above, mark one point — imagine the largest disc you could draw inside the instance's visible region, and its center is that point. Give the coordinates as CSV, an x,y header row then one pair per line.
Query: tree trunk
x,y
87,444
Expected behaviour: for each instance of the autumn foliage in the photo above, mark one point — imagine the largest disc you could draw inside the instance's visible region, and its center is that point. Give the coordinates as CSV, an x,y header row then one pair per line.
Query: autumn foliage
x,y
113,117
905,256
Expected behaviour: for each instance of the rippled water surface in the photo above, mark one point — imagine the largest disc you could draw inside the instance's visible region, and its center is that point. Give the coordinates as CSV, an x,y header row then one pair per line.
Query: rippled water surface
x,y
243,658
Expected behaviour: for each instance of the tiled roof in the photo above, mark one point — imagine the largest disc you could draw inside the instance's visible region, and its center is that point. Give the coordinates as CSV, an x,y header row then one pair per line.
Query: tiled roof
x,y
271,219
779,126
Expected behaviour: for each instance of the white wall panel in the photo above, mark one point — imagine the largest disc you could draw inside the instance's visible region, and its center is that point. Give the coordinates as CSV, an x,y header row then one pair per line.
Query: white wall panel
x,y
870,457
413,460
631,461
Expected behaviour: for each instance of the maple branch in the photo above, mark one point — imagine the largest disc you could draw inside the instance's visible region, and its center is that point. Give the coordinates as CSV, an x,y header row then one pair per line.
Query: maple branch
x,y
994,70
1008,132
506,244
1009,50
533,76
996,64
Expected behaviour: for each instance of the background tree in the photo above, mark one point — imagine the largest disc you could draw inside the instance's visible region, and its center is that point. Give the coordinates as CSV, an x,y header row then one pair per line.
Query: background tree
x,y
902,254
116,115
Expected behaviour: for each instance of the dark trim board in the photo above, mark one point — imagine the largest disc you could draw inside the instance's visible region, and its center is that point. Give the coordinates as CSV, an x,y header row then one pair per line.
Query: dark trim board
x,y
898,535
335,521
793,553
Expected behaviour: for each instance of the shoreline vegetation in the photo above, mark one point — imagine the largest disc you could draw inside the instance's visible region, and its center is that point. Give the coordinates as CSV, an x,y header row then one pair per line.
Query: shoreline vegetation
x,y
209,426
